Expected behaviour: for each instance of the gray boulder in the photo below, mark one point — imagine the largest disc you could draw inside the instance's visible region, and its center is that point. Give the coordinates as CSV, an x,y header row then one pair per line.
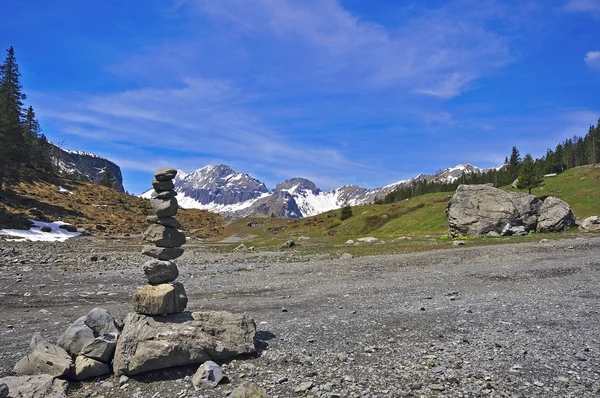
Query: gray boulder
x,y
101,322
164,236
166,221
41,386
102,348
152,342
87,367
162,253
478,209
4,390
84,330
165,173
164,207
158,271
166,298
591,224
555,215
45,358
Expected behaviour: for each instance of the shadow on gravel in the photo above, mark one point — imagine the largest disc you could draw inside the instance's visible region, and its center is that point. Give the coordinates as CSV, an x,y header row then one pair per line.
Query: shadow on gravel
x,y
260,340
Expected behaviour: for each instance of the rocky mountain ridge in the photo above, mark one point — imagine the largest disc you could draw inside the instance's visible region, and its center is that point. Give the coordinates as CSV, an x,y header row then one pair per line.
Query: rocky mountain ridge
x,y
87,166
223,190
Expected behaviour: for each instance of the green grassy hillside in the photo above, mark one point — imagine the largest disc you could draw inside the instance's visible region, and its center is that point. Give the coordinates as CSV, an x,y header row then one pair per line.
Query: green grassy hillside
x,y
415,224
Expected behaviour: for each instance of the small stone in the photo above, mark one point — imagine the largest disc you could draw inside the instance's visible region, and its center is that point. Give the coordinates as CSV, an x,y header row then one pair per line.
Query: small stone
x,y
288,244
241,248
283,309
166,298
458,243
46,229
436,387
165,173
158,271
538,383
162,253
160,186
102,348
163,194
561,380
248,390
208,375
303,387
123,380
166,221
346,256
163,236
282,380
106,384
164,207
3,390
580,356
87,367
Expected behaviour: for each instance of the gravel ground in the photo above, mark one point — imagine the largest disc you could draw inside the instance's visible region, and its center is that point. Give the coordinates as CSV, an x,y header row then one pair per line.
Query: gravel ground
x,y
510,320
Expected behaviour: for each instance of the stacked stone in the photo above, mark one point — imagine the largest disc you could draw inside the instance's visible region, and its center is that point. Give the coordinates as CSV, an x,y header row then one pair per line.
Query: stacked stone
x,y
162,295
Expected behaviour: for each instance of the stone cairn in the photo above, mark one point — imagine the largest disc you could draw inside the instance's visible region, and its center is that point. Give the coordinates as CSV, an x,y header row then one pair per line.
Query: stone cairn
x,y
162,295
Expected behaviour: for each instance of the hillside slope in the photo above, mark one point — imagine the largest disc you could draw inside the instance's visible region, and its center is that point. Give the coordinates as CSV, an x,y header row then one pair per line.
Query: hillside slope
x,y
94,207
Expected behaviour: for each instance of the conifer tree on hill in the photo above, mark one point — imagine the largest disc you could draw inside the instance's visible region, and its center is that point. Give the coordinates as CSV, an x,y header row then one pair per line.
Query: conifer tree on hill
x,y
529,175
11,114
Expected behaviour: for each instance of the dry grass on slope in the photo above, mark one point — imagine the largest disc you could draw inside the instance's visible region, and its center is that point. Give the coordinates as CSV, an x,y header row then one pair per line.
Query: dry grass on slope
x,y
94,207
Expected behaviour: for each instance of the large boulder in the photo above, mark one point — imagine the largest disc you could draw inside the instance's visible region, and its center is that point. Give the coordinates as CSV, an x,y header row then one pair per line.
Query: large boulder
x,y
156,342
45,358
555,215
42,386
479,209
591,224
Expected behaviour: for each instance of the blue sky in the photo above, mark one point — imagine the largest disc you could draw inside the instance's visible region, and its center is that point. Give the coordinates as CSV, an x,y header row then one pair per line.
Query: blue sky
x,y
350,91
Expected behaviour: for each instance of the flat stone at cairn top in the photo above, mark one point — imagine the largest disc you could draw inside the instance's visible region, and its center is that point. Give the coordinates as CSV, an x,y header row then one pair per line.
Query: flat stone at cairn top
x,y
165,173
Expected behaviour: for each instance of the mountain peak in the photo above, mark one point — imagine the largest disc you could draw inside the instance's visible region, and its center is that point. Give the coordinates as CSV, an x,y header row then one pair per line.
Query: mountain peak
x,y
297,184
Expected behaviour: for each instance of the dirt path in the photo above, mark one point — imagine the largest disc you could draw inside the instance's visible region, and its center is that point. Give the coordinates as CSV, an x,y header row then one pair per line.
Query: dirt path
x,y
511,320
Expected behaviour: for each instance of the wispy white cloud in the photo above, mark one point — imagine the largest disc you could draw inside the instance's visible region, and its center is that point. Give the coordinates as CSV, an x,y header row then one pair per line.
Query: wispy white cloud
x,y
583,5
439,53
592,59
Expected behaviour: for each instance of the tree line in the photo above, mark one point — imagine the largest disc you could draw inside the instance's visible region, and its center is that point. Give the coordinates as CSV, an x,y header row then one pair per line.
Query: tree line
x,y
24,150
527,172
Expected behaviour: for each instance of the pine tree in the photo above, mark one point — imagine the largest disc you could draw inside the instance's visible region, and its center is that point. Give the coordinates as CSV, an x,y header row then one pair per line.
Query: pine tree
x,y
513,164
529,175
346,212
31,131
107,178
11,114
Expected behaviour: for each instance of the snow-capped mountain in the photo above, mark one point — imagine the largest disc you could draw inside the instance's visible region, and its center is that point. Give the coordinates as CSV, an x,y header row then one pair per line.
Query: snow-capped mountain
x,y
223,190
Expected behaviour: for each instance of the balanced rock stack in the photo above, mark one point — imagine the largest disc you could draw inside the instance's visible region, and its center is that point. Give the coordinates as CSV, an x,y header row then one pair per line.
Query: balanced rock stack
x,y
162,295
